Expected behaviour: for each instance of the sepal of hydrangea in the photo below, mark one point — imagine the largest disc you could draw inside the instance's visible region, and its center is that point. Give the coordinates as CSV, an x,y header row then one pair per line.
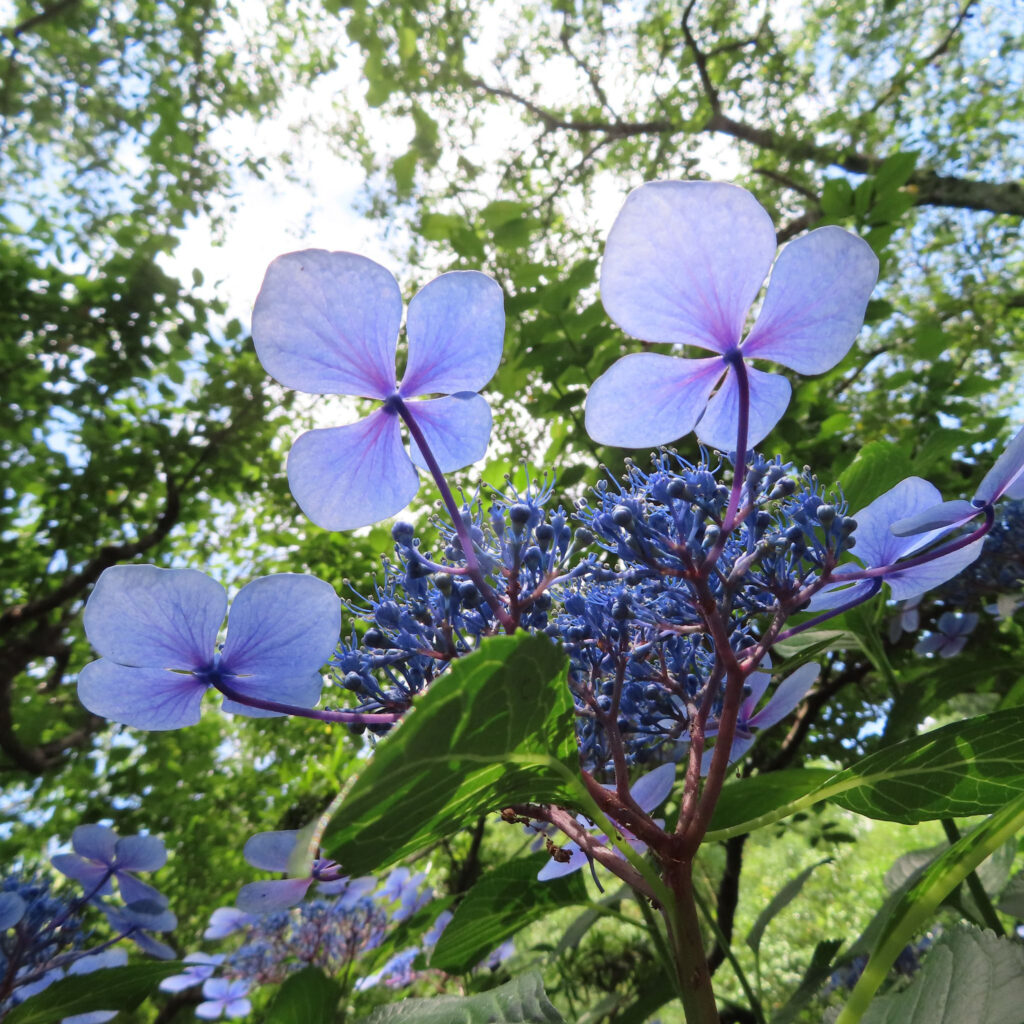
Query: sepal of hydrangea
x,y
201,966
100,857
1005,478
877,546
225,921
272,851
648,792
157,629
224,997
12,909
950,636
782,703
683,264
328,323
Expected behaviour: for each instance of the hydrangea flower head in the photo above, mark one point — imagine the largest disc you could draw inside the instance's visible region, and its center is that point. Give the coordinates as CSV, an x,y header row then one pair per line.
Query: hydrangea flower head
x,y
328,323
157,631
950,635
683,264
100,857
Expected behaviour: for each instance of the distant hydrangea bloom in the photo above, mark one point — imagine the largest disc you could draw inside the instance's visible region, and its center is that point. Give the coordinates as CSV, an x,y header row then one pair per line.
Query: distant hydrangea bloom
x,y
648,792
224,997
787,695
100,857
877,547
327,323
951,632
683,264
201,966
1005,478
157,631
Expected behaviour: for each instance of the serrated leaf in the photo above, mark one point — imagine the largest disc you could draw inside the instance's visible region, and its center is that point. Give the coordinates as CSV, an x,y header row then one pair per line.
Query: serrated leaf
x,y
505,900
522,1000
969,975
967,768
495,729
121,988
308,997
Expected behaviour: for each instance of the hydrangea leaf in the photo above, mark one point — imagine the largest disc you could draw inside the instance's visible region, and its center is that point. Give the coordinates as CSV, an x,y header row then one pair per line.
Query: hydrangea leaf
x,y
963,769
502,902
327,323
496,728
306,997
122,988
521,1000
456,330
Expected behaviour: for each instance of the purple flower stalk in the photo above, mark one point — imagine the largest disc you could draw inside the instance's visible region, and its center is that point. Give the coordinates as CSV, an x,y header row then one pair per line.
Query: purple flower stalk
x,y
157,631
328,323
683,264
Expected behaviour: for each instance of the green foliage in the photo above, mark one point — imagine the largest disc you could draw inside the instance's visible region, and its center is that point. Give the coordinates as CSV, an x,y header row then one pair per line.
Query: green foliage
x,y
307,997
521,1000
495,729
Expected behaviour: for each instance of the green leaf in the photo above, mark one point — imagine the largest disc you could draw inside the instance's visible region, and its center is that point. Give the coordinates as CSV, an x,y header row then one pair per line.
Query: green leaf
x,y
495,729
506,899
814,977
837,199
121,988
879,466
308,997
970,767
969,975
503,211
778,903
522,1000
895,172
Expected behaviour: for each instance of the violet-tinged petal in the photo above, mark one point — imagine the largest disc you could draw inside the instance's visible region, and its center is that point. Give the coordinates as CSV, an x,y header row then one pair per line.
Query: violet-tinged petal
x,y
286,624
651,790
908,583
875,543
96,842
202,967
836,594
151,917
456,330
99,961
757,682
931,644
141,853
135,892
814,306
740,745
557,868
769,397
225,921
271,851
301,691
95,878
671,392
266,897
327,323
456,428
155,618
787,695
146,698
684,261
224,996
346,477
12,909
946,516
1006,475
433,934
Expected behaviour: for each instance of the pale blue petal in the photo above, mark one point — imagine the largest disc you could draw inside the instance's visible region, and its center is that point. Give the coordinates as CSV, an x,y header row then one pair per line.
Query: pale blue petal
x,y
327,323
787,695
740,745
12,909
835,595
1007,474
876,545
287,624
769,397
266,897
684,261
345,477
557,869
757,682
931,644
225,921
909,583
651,790
456,330
300,691
96,842
457,430
146,698
946,516
157,618
92,876
648,399
141,853
814,306
271,851
133,891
